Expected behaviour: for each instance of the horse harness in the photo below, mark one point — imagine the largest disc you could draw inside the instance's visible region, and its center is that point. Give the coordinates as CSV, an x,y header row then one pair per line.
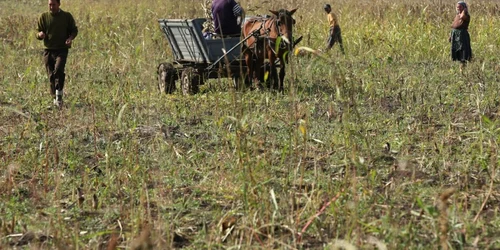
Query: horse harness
x,y
267,33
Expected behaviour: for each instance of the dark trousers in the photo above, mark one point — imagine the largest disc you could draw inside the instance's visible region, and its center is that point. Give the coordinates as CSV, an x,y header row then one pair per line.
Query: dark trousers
x,y
55,62
335,36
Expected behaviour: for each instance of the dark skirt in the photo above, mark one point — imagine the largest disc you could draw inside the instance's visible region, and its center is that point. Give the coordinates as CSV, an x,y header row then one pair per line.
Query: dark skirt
x,y
460,45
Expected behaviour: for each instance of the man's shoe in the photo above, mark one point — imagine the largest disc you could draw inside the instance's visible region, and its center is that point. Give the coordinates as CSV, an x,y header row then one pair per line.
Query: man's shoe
x,y
58,103
59,99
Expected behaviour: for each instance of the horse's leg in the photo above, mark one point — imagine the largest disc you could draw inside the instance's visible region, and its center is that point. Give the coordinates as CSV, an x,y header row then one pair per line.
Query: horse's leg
x,y
249,65
251,69
282,75
274,83
259,62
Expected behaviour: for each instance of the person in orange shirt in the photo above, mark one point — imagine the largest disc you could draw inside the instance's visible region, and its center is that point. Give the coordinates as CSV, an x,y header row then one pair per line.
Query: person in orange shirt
x,y
334,34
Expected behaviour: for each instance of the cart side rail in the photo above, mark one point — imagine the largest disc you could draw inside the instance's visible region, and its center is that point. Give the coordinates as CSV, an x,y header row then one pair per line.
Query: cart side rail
x,y
227,47
188,44
186,39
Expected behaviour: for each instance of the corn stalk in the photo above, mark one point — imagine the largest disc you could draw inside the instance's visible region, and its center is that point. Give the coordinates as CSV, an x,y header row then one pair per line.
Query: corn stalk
x,y
208,26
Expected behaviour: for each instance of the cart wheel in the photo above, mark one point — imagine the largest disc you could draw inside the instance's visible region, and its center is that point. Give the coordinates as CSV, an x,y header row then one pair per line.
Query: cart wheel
x,y
166,78
190,81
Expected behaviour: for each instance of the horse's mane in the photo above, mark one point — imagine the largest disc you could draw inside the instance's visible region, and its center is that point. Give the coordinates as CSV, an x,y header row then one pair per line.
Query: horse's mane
x,y
283,11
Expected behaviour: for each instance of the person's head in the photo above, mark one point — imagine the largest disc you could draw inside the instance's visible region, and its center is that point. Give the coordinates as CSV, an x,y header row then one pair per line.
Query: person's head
x,y
54,6
461,6
327,8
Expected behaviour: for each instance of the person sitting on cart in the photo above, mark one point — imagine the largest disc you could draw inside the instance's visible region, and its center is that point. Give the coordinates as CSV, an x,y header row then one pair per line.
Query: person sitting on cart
x,y
227,16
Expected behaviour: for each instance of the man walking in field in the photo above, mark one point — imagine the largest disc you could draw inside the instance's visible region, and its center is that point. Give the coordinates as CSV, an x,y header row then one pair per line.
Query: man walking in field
x,y
334,34
57,29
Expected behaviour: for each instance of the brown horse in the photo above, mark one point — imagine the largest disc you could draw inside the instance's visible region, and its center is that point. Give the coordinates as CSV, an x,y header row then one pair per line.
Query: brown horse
x,y
267,32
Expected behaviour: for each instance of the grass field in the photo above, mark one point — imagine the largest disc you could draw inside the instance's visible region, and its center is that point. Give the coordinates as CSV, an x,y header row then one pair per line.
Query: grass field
x,y
387,147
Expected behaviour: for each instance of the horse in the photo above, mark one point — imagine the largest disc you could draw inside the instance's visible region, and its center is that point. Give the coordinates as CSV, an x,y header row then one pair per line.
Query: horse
x,y
263,33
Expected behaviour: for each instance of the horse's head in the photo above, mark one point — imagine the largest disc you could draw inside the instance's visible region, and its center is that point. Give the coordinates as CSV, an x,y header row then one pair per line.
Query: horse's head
x,y
285,24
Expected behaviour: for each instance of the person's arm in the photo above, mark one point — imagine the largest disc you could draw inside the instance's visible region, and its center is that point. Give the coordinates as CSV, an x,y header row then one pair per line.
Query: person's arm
x,y
463,14
73,30
237,10
331,22
459,21
40,35
465,18
334,21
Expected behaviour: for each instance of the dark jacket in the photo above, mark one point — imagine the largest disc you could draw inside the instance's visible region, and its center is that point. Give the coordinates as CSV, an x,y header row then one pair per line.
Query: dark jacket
x,y
225,14
57,28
